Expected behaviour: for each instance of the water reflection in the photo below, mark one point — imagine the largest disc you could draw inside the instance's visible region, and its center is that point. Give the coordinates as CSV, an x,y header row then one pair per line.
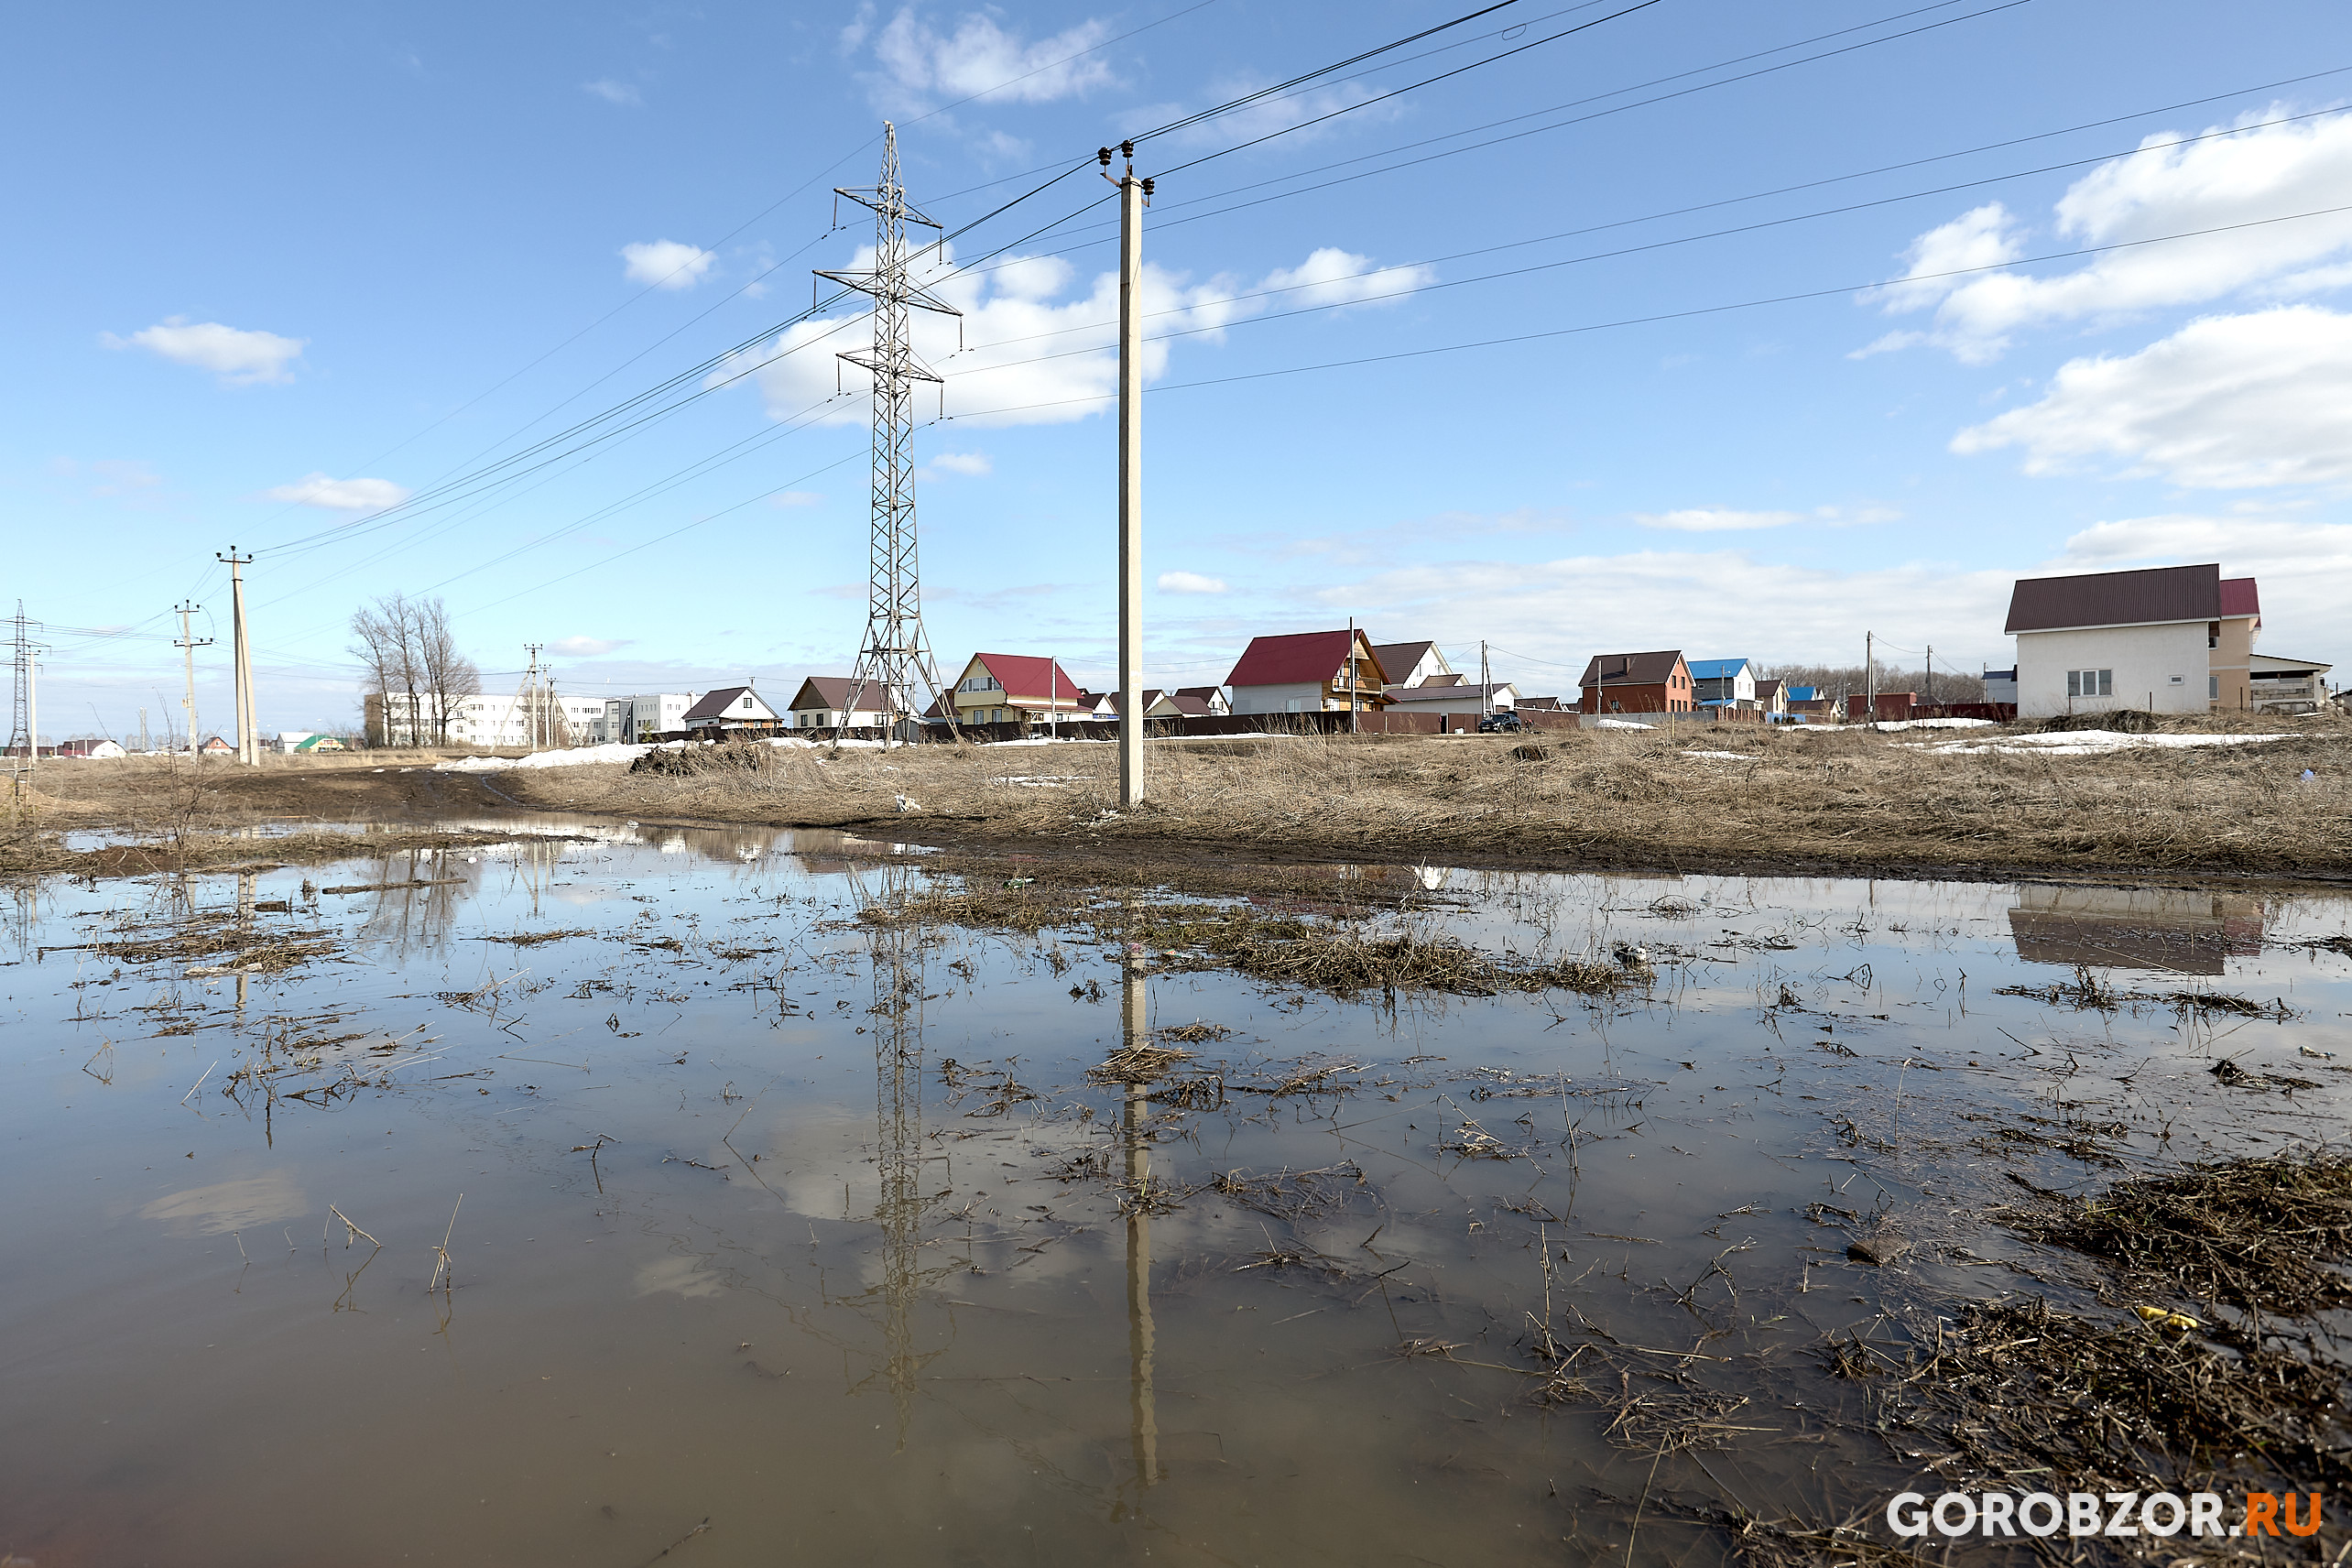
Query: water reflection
x,y
2170,929
1143,1413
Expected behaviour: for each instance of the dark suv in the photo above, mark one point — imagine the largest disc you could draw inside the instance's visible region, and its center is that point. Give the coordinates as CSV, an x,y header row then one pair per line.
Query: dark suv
x,y
1504,723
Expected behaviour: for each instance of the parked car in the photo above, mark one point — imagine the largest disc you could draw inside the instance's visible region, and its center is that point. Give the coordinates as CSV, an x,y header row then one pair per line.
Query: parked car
x,y
1505,723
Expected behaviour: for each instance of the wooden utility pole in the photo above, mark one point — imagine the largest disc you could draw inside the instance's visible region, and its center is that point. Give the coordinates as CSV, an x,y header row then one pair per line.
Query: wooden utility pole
x,y
241,658
190,644
1134,195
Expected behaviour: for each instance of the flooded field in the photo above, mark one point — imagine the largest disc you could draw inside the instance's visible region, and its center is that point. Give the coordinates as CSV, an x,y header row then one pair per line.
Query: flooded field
x,y
719,1197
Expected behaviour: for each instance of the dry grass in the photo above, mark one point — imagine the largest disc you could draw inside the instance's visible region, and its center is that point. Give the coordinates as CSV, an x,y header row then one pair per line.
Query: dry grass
x,y
1858,800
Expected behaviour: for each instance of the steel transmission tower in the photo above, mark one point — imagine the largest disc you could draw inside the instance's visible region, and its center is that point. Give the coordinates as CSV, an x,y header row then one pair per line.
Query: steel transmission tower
x,y
20,720
896,653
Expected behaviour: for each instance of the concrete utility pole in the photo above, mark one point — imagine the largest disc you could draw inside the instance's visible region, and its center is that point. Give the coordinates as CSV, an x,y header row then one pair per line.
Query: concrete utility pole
x,y
1134,196
241,658
1485,685
1870,678
191,644
1351,675
1929,682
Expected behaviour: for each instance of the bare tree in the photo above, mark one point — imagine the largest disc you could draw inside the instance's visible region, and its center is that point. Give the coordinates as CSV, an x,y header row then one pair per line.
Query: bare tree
x,y
414,672
1839,681
449,674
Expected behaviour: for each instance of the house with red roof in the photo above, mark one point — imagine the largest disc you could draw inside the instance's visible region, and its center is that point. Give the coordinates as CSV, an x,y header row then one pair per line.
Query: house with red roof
x,y
2173,639
1018,688
1309,672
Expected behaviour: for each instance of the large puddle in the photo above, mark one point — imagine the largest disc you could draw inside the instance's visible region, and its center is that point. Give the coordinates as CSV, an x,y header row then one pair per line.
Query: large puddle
x,y
360,1215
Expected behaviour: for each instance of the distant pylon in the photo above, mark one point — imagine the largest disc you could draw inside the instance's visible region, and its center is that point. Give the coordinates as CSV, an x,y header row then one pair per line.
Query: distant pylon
x,y
895,652
20,722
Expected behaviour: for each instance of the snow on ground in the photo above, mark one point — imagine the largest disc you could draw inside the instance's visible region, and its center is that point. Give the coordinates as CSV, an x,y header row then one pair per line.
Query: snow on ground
x,y
611,751
2087,743
1620,724
1889,727
1727,755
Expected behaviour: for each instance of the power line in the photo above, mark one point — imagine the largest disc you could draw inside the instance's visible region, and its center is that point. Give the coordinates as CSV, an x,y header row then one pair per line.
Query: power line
x,y
1664,315
1579,260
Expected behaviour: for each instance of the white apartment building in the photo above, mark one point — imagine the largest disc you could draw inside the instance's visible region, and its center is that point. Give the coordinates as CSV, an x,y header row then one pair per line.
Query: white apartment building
x,y
483,721
647,715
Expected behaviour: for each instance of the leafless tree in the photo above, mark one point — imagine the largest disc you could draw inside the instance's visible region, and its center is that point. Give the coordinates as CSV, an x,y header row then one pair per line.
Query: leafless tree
x,y
414,672
449,674
1839,681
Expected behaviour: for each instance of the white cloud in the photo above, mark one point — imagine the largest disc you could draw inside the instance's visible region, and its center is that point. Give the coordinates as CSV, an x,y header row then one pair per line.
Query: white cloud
x,y
340,494
2273,172
613,92
1333,276
795,498
2304,569
970,465
665,263
1190,582
237,356
587,647
921,65
2226,402
1715,519
1033,354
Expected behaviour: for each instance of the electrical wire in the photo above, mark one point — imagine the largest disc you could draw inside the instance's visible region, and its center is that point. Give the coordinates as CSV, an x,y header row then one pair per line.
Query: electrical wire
x,y
1664,315
1423,289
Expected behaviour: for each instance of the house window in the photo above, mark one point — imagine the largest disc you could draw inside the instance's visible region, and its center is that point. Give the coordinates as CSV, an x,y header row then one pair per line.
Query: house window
x,y
2090,683
2213,687
747,701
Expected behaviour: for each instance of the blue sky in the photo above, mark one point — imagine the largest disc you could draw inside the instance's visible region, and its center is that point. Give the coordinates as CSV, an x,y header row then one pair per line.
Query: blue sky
x,y
279,268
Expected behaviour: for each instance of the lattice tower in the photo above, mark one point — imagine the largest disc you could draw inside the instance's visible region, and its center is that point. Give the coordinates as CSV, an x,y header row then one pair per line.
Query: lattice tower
x,y
896,653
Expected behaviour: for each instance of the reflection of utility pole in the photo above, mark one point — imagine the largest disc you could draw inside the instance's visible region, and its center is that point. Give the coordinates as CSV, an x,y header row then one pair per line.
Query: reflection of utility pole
x,y
899,1137
1143,1405
190,644
1134,196
241,651
245,931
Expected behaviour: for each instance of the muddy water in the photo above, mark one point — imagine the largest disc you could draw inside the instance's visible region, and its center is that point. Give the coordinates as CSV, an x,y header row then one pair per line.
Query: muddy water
x,y
821,1238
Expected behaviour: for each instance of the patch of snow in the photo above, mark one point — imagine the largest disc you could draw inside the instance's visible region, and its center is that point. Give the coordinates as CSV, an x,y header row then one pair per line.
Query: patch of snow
x,y
1893,725
577,757
2090,743
1620,724
1727,756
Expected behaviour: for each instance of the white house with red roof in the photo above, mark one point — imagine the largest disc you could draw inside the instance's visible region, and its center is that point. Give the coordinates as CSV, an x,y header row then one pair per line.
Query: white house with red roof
x,y
1308,672
1018,688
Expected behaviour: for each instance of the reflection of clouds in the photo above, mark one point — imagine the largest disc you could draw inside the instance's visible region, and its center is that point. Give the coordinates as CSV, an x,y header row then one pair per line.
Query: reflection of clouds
x,y
228,1205
684,1277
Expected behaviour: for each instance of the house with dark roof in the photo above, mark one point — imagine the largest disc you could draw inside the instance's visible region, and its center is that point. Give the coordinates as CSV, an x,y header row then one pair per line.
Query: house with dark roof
x,y
1016,688
732,710
1455,697
823,702
1211,700
1414,663
1772,697
2171,639
1654,682
1309,672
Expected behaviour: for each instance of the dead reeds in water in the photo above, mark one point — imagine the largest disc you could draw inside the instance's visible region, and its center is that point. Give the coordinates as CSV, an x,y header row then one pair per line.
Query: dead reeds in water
x,y
2268,1235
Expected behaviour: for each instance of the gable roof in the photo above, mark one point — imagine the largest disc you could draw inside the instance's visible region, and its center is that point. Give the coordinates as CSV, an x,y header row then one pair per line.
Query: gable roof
x,y
2116,599
1400,658
1210,695
1024,675
1632,668
2239,597
1473,692
1716,668
1765,690
717,704
832,691
1302,658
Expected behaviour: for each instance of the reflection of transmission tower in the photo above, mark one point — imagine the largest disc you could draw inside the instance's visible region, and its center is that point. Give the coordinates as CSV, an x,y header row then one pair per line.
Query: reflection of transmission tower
x,y
894,653
899,1151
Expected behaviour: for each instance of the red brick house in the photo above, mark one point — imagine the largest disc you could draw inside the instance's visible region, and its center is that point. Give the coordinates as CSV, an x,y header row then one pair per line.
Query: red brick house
x,y
1657,682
